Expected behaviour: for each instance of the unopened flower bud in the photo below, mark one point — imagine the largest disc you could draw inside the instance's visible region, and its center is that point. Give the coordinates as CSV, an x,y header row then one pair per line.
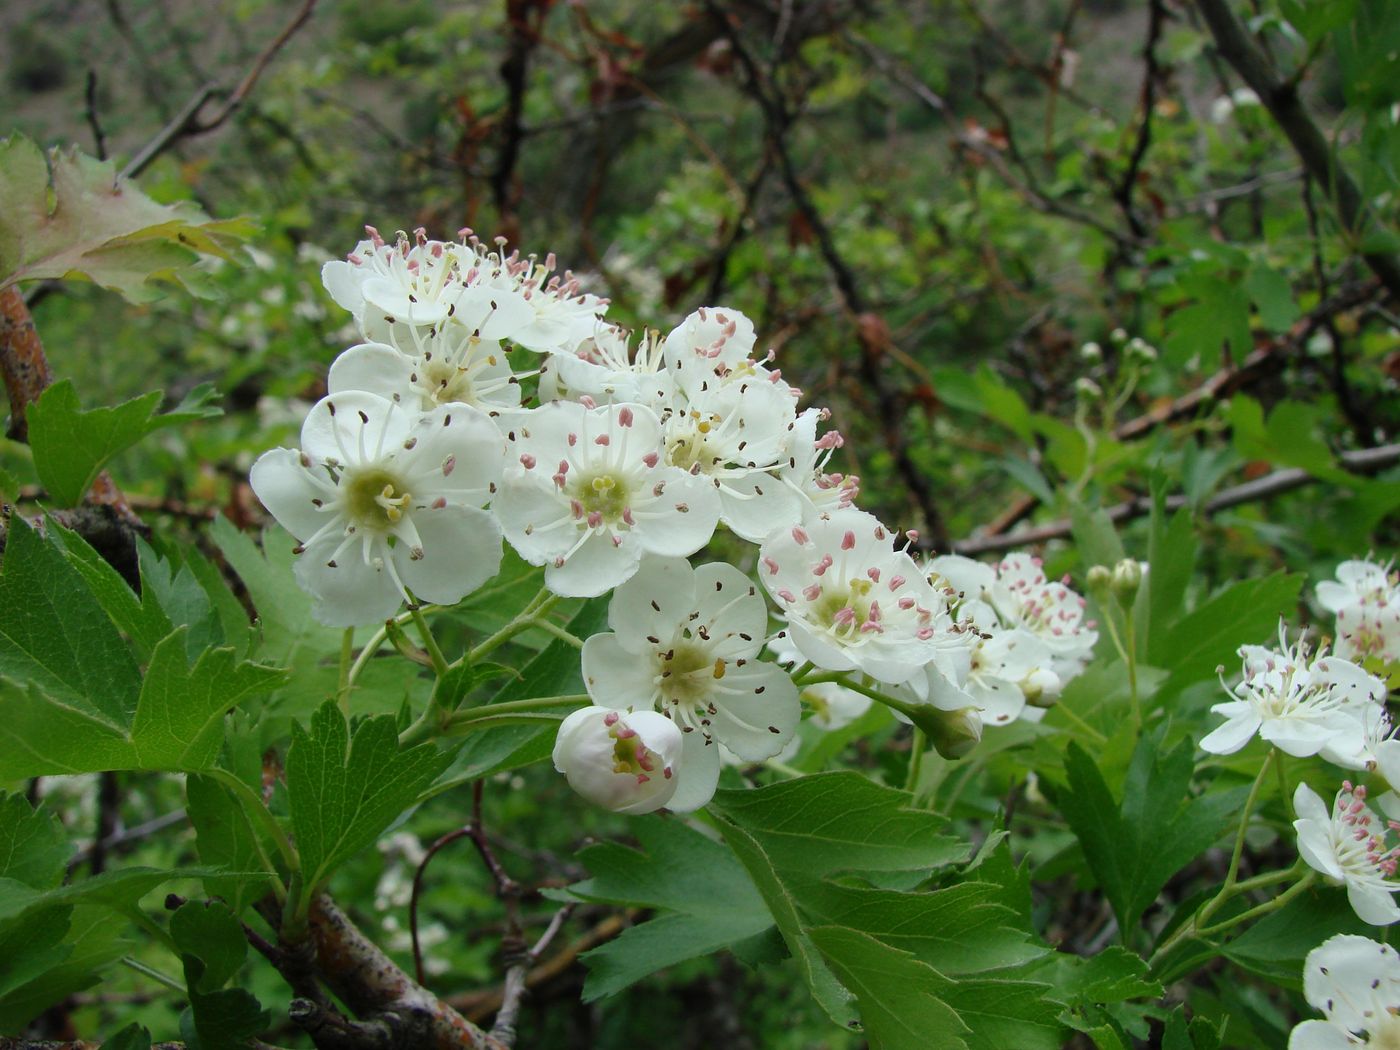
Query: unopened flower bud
x,y
1091,353
1127,577
1141,351
1100,580
1042,687
1086,389
1118,337
953,734
626,762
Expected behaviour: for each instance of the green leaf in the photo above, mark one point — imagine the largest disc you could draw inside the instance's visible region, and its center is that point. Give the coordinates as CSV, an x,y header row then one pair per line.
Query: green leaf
x,y
1247,611
210,932
1133,849
346,787
905,1003
73,217
71,446
816,825
54,635
898,1010
1114,975
222,1020
32,945
707,900
33,848
224,838
1095,536
958,930
180,716
1276,945
140,618
1273,295
132,1037
92,943
1218,317
782,904
178,723
1171,555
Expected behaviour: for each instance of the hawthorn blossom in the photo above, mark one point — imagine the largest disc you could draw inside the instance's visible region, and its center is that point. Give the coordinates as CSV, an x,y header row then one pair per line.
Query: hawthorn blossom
x,y
628,763
588,494
686,642
1349,847
1365,597
1053,612
446,365
805,471
1298,701
392,288
605,367
1355,982
386,504
852,601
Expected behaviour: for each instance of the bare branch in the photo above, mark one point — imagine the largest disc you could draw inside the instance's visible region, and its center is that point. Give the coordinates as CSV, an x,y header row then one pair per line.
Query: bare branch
x,y
1362,461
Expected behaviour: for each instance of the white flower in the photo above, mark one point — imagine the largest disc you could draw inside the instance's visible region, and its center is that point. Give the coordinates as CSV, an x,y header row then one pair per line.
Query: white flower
x,y
1367,630
1358,581
1052,611
386,501
606,368
1356,983
443,365
852,601
806,471
1349,848
628,763
686,642
589,494
1299,702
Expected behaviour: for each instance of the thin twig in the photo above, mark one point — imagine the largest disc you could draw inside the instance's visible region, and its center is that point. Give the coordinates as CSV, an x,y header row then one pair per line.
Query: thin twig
x,y
99,137
1123,193
1361,461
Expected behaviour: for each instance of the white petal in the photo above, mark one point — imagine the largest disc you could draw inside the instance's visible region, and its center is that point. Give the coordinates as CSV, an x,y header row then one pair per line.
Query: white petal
x,y
729,603
682,532
698,774
354,427
1315,847
615,677
1372,904
461,551
758,722
1293,736
754,506
376,368
1230,737
287,490
1346,974
353,593
457,451
653,602
343,279
1319,1035
595,568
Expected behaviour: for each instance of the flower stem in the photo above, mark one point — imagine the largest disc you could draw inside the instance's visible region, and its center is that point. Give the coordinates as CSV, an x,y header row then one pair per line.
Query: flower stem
x,y
917,746
462,719
347,649
528,617
429,642
1094,734
1261,909
563,634
152,973
1130,655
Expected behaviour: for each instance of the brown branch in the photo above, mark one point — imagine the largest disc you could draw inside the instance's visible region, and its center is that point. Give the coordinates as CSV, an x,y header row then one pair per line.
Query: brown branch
x,y
370,984
1361,461
1281,98
478,1006
7,1043
22,362
1123,193
517,978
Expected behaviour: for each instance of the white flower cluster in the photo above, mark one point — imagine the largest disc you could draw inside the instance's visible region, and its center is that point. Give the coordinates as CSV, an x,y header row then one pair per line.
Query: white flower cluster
x,y
426,453
1031,637
1305,702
